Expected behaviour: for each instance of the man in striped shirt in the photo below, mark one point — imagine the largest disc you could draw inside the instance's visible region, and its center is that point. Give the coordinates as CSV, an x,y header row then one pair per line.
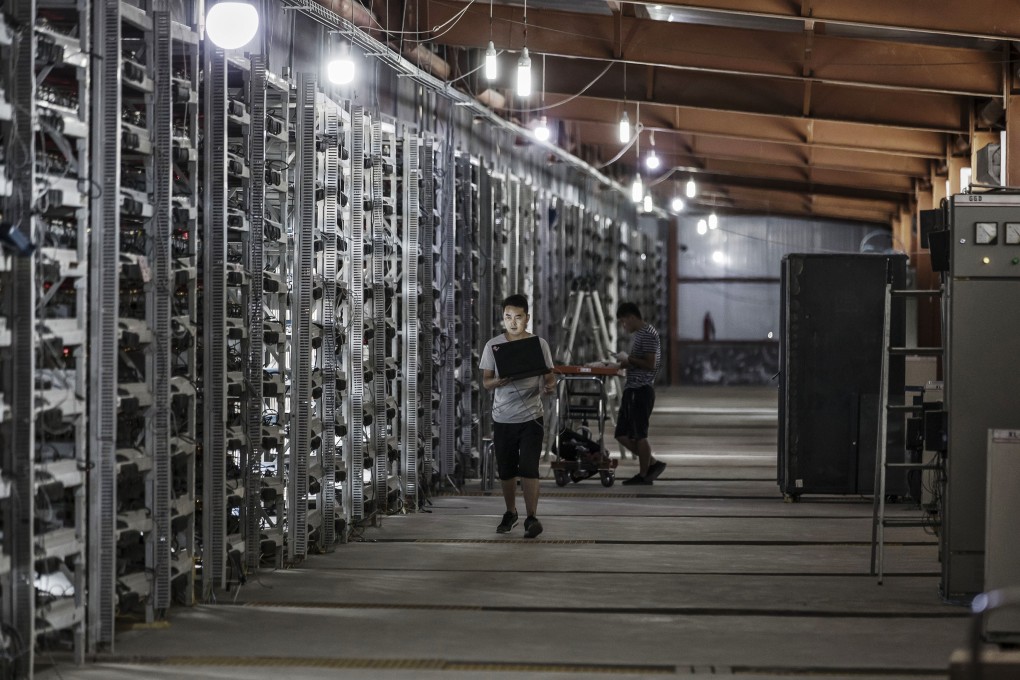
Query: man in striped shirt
x,y
642,364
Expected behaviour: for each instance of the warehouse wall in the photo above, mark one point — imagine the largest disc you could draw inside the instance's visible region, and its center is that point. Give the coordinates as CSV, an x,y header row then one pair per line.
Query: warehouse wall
x,y
732,274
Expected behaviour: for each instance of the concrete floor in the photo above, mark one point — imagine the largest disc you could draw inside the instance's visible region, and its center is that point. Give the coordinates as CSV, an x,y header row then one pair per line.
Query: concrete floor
x,y
708,572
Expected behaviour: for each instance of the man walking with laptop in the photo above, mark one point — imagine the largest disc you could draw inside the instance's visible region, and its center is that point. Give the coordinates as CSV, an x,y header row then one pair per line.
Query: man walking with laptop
x,y
516,367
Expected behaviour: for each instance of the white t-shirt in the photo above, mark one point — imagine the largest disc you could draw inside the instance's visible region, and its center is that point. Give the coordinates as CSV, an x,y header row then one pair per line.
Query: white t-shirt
x,y
521,400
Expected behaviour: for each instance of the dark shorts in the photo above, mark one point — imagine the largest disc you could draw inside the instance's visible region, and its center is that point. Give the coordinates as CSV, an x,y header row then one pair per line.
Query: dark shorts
x,y
517,447
635,410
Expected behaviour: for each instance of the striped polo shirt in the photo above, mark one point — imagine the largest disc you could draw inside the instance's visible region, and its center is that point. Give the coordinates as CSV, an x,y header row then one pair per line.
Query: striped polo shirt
x,y
645,341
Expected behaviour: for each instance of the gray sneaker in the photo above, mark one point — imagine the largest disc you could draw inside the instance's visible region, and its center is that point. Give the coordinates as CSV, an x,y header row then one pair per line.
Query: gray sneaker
x,y
509,522
532,527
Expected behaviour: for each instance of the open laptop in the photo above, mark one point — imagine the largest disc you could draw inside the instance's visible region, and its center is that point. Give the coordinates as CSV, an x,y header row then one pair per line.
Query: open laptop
x,y
520,358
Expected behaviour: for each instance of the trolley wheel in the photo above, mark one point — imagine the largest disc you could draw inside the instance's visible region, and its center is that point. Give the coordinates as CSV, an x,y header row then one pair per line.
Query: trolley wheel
x,y
561,478
576,476
791,498
607,479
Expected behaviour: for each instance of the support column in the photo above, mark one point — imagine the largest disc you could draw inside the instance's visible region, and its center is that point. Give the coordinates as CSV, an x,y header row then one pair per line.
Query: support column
x,y
673,313
955,165
1012,140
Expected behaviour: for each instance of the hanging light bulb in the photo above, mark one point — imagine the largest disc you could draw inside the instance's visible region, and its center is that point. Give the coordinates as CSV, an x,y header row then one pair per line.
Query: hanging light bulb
x,y
542,131
524,74
637,190
691,188
231,24
648,206
624,128
713,221
651,160
491,65
702,227
677,205
340,70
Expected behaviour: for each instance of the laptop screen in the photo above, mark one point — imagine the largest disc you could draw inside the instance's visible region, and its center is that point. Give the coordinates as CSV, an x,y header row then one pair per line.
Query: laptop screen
x,y
520,358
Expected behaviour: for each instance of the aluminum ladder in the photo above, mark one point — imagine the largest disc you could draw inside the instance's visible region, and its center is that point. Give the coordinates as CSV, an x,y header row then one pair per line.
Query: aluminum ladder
x,y
882,465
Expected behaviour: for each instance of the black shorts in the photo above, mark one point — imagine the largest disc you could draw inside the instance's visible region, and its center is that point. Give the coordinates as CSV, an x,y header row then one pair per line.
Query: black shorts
x,y
635,411
517,447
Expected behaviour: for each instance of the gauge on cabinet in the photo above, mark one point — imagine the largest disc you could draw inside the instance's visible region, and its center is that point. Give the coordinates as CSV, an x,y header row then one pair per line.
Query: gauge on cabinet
x,y
986,233
1012,233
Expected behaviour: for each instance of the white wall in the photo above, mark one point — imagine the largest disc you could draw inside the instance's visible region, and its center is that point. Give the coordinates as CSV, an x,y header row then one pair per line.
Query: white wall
x,y
752,247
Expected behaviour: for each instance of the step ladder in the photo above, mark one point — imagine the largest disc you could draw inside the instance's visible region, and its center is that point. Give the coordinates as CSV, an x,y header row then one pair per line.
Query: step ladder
x,y
879,521
587,304
583,303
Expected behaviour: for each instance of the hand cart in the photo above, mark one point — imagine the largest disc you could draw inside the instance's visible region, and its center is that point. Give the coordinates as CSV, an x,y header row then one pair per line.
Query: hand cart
x,y
580,398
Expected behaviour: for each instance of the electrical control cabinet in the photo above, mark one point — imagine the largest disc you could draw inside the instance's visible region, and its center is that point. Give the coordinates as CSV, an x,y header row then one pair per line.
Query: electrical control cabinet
x,y
981,380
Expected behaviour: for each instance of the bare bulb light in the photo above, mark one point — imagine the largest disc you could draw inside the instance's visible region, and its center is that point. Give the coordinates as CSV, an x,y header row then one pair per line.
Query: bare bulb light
x,y
624,128
542,131
491,65
713,221
648,205
677,205
524,74
637,190
692,190
231,24
652,161
340,70
702,227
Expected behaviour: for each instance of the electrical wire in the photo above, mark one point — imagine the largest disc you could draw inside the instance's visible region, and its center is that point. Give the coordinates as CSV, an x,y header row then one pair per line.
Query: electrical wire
x,y
571,97
627,147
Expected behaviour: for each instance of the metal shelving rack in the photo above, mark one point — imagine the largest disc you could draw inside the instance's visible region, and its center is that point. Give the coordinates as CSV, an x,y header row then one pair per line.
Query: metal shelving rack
x,y
487,300
184,319
386,264
375,324
645,277
447,341
277,218
44,176
355,445
407,308
544,316
134,412
62,180
329,173
17,340
104,335
526,235
244,311
302,234
427,310
211,521
467,323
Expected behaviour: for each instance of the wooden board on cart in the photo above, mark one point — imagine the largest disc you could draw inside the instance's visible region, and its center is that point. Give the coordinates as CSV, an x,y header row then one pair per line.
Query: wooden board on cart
x,y
587,370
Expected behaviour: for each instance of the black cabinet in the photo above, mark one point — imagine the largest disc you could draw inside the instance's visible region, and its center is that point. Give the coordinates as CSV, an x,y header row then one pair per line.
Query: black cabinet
x,y
830,371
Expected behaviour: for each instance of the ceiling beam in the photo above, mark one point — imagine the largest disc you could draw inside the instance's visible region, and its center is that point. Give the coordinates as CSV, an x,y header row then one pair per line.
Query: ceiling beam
x,y
752,126
977,18
770,201
935,112
693,148
723,50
